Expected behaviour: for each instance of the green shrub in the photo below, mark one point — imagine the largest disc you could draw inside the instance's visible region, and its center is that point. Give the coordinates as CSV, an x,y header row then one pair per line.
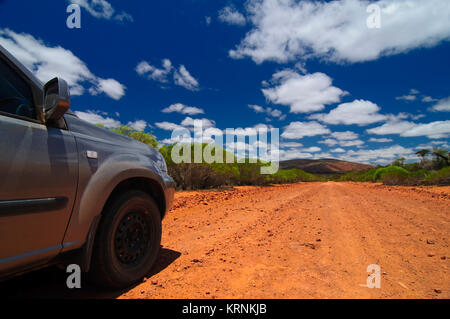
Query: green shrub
x,y
441,177
362,176
291,176
391,171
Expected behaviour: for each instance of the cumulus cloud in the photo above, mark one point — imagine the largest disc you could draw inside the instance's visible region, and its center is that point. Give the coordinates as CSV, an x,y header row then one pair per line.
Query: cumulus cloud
x,y
286,155
380,140
231,15
344,143
269,111
110,87
95,118
183,109
206,123
102,9
139,125
47,62
411,96
442,106
391,127
285,30
187,123
434,130
359,112
303,93
428,99
168,126
298,130
312,149
291,144
408,98
380,156
181,76
154,73
345,136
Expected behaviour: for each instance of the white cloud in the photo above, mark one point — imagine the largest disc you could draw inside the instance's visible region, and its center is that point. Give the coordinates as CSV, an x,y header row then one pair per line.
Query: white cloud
x,y
208,20
291,144
206,123
167,126
411,96
303,93
434,130
124,16
359,112
345,136
381,156
329,142
269,111
293,154
232,16
102,9
47,62
285,30
298,130
391,127
322,155
428,99
408,98
344,143
187,123
183,78
139,125
154,73
257,108
95,118
183,109
110,87
442,106
312,149
351,143
338,150
380,140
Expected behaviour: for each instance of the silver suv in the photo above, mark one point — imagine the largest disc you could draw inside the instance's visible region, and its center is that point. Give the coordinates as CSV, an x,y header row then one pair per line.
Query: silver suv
x,y
71,192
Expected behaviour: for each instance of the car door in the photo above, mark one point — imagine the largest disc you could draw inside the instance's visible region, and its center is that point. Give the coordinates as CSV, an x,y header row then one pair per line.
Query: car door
x,y
38,175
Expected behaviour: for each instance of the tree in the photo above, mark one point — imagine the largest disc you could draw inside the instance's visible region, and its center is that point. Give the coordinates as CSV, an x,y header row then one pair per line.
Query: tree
x,y
441,158
140,136
399,162
423,154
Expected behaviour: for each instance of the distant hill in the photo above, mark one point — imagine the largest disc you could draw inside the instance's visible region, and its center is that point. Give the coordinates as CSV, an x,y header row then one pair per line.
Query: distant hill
x,y
324,166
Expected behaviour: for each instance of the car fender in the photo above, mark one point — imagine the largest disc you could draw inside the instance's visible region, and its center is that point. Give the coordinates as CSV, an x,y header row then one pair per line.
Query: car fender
x,y
93,192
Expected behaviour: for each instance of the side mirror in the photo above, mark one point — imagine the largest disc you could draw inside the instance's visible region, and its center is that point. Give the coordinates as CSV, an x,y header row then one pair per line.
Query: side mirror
x,y
56,99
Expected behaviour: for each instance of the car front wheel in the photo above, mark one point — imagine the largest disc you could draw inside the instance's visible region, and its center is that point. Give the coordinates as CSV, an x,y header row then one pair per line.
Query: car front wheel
x,y
128,241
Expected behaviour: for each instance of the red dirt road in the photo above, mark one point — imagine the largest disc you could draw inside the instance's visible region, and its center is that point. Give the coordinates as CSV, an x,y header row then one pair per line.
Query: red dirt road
x,y
307,240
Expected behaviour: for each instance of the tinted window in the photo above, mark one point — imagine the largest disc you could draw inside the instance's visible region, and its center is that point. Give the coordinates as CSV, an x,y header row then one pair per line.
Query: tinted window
x,y
15,94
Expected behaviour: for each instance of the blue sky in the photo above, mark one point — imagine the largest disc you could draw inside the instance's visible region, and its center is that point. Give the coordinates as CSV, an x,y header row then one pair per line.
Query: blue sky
x,y
333,86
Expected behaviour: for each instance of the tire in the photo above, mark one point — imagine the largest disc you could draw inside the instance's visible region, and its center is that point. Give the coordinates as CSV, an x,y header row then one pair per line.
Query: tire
x,y
128,241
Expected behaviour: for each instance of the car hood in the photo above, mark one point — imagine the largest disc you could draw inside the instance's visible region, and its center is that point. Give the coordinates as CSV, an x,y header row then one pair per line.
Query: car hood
x,y
78,126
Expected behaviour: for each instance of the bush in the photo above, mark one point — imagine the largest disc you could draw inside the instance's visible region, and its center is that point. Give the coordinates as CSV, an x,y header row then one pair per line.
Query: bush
x,y
441,177
362,176
291,176
390,172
